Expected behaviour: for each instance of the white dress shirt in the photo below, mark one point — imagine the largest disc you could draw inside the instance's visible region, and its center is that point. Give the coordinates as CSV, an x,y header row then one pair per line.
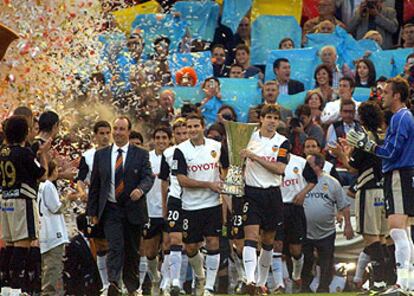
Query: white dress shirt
x,y
331,112
114,155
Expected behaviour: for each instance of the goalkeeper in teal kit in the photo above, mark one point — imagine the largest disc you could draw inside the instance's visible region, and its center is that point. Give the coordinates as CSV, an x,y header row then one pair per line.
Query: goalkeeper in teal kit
x,y
397,154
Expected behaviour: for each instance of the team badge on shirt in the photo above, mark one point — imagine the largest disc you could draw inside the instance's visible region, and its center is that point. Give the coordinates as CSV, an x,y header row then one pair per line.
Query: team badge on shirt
x,y
325,187
275,148
296,170
213,153
172,223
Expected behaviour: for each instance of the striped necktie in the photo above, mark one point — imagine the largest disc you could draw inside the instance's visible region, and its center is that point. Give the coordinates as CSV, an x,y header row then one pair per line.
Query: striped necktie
x,y
119,175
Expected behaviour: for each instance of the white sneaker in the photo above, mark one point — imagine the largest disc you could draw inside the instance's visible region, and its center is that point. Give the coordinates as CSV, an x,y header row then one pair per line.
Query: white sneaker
x,y
199,286
104,290
155,289
208,293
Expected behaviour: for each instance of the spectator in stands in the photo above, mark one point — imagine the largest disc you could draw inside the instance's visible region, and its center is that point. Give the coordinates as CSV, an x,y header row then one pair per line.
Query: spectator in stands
x,y
409,68
286,43
218,53
135,44
340,127
162,50
311,129
243,59
296,136
287,86
236,71
136,138
226,113
373,15
331,112
407,35
365,74
315,102
326,10
270,92
167,99
325,27
186,76
242,35
374,35
216,132
212,99
323,83
329,57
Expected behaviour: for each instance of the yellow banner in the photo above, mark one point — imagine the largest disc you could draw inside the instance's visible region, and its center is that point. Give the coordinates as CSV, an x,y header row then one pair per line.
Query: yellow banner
x,y
277,7
125,17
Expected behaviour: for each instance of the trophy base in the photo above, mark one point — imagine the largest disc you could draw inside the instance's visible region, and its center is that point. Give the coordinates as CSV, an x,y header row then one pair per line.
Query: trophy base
x,y
235,190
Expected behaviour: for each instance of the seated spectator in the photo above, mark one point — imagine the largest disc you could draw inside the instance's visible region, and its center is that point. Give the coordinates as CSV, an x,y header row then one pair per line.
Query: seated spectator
x,y
186,76
136,138
340,127
374,35
243,59
287,86
161,49
365,74
286,43
212,100
226,113
407,35
331,112
326,10
297,136
315,102
236,71
218,53
408,67
270,92
323,83
372,14
242,35
329,57
325,27
216,132
167,99
311,129
81,275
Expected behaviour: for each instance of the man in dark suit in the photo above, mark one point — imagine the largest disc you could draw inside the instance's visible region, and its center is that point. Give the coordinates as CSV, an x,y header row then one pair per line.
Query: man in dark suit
x,y
121,177
80,272
287,86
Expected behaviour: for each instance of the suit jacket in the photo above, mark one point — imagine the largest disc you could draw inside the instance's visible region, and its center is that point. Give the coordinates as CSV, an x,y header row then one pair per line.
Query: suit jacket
x,y
295,87
137,174
80,272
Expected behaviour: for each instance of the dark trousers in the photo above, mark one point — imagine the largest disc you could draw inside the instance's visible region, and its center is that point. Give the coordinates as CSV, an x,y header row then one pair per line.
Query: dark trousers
x,y
123,239
325,249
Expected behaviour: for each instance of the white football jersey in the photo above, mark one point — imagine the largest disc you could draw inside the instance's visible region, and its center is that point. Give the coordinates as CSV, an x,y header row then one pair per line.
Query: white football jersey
x,y
174,189
154,198
269,149
200,163
89,155
293,180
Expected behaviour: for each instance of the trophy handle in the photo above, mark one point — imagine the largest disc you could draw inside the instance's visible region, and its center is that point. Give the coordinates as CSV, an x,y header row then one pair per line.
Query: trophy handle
x,y
7,36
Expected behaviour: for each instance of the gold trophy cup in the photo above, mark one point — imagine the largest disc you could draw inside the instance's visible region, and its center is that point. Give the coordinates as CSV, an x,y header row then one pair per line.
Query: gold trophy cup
x,y
238,136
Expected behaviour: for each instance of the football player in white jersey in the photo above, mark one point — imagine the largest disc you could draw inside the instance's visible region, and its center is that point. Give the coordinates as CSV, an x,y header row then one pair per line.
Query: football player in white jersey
x,y
171,199
266,161
298,180
196,165
102,132
154,229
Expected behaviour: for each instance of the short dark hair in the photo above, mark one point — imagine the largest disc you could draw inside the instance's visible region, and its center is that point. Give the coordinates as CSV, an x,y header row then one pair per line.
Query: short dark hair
x,y
82,222
277,62
51,167
270,109
400,86
210,78
228,107
123,117
162,38
411,55
284,40
218,127
136,135
195,116
381,79
16,129
347,102
311,138
99,124
371,115
350,80
218,46
320,68
47,121
23,111
242,47
164,129
319,159
303,110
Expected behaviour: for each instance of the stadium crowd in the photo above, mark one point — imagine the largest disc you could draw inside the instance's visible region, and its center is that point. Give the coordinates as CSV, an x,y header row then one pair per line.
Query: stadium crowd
x,y
136,206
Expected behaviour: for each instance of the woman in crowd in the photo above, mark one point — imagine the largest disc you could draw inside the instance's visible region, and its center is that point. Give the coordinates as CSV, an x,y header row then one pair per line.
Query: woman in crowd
x,y
315,102
323,83
365,74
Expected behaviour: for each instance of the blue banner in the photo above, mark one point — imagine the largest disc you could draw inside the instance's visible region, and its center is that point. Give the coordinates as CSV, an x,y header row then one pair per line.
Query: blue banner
x,y
266,33
153,26
291,102
361,94
200,61
302,64
201,16
234,11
